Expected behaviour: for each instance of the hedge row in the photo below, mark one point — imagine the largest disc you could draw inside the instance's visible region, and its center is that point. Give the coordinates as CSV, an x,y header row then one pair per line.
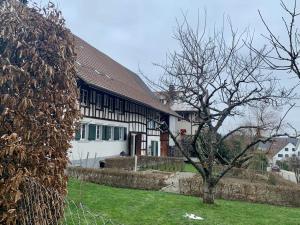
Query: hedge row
x,y
120,178
245,191
146,162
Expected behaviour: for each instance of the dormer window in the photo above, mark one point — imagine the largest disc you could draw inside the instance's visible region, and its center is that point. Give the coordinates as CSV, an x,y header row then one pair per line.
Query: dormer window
x,y
83,97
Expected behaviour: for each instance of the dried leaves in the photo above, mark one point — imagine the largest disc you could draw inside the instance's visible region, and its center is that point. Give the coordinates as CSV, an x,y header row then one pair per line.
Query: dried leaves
x,y
38,101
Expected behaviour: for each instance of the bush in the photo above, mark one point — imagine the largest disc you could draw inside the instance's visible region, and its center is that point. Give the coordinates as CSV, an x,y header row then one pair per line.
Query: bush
x,y
272,179
170,164
120,178
246,191
38,105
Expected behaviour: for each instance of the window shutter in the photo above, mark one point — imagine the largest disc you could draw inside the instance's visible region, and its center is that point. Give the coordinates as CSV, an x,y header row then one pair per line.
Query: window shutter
x,y
116,133
77,135
92,132
125,133
104,133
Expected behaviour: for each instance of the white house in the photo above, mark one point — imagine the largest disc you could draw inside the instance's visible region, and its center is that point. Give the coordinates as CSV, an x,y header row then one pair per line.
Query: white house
x,y
286,152
188,120
119,111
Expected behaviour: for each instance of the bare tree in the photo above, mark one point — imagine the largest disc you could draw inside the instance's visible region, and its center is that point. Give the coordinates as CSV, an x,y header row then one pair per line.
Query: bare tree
x,y
285,53
220,77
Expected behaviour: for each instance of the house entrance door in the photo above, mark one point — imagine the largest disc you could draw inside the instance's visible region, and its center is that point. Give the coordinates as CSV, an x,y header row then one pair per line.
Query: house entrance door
x,y
135,144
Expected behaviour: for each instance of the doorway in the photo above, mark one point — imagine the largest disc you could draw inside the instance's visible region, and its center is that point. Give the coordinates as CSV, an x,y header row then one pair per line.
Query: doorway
x,y
135,144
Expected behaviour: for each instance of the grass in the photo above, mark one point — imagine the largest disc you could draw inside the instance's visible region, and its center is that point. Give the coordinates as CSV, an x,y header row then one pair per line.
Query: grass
x,y
126,206
189,168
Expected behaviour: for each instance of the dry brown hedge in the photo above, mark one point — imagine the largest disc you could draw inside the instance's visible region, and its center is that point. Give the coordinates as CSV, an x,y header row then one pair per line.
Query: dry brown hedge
x,y
245,191
120,178
146,162
38,102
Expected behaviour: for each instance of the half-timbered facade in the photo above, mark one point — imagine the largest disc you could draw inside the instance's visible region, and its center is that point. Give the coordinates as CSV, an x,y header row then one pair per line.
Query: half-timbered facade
x,y
119,111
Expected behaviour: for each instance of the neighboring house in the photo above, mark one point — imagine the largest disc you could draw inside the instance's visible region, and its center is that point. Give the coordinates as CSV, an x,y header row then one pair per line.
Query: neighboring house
x,y
279,149
119,111
286,152
188,120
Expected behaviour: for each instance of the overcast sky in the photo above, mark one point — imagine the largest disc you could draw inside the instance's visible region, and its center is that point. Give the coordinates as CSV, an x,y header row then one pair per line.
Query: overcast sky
x,y
138,33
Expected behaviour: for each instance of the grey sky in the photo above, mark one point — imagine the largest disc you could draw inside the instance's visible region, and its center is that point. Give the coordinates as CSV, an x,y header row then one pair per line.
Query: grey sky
x,y
138,33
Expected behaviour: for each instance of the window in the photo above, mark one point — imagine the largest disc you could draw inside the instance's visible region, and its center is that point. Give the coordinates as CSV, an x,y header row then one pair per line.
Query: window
x,y
106,133
286,149
280,155
184,115
98,132
111,104
154,148
116,133
83,97
293,149
83,132
99,101
286,155
105,100
151,124
119,133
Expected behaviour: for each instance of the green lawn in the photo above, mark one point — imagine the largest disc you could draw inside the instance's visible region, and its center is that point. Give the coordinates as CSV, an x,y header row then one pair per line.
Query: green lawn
x,y
126,206
189,168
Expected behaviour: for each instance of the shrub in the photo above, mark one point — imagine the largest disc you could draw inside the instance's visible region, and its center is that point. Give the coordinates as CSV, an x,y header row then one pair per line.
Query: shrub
x,y
246,191
272,179
38,103
170,164
120,178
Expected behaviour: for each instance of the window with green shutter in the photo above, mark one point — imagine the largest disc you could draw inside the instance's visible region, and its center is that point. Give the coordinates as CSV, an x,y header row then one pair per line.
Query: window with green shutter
x,y
116,133
92,132
106,133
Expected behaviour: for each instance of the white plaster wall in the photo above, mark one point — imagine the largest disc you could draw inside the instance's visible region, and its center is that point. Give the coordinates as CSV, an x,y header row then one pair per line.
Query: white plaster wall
x,y
80,149
153,138
290,152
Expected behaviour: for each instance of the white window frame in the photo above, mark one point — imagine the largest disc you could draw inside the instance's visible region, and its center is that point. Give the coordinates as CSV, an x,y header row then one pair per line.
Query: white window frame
x,y
99,132
121,133
85,131
111,132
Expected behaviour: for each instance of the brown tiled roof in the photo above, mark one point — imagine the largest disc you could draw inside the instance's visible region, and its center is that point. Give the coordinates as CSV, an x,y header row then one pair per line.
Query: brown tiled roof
x,y
99,70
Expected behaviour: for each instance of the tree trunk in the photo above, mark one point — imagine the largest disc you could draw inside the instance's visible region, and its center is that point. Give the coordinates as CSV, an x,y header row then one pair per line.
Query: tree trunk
x,y
208,193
